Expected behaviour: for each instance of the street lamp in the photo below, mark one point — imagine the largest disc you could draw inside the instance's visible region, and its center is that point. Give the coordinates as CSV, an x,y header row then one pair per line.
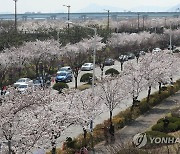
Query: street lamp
x,y
93,78
94,52
68,6
170,38
108,18
138,21
155,25
15,13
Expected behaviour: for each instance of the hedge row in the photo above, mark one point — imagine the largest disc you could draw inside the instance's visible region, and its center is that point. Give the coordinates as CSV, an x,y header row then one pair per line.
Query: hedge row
x,y
174,125
124,117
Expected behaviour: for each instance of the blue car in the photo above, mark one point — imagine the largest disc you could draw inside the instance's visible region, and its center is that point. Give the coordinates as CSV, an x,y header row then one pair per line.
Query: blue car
x,y
64,76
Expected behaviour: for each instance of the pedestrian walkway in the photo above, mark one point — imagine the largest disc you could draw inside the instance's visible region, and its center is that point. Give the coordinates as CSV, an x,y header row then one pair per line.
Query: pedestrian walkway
x,y
141,124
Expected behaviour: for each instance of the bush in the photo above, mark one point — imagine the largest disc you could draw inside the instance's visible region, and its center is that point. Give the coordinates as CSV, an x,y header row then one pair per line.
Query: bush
x,y
112,72
143,106
86,77
84,87
158,127
171,119
118,122
172,127
70,143
59,86
178,124
176,51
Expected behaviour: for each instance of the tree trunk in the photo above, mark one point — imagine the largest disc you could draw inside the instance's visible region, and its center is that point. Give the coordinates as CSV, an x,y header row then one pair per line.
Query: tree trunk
x,y
54,150
76,82
85,134
160,87
110,116
149,92
101,74
19,72
9,147
137,59
37,70
121,66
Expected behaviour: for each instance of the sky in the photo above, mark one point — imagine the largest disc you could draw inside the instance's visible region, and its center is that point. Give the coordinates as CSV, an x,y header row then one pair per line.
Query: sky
x,y
51,6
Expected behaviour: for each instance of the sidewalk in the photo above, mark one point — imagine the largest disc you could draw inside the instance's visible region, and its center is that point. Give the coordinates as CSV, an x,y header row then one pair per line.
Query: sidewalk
x,y
141,124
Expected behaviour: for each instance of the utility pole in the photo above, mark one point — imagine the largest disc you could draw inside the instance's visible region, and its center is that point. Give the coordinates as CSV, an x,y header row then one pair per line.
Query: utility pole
x,y
138,21
108,20
15,15
68,6
143,22
170,38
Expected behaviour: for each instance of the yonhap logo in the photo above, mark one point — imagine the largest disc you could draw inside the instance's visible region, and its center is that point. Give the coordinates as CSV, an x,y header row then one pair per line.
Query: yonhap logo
x,y
140,140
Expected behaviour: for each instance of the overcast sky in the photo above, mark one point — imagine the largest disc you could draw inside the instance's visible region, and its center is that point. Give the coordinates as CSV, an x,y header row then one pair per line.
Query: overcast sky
x,y
56,5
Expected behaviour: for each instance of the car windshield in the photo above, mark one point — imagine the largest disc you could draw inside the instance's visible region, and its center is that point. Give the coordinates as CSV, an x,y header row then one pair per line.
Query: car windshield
x,y
61,74
21,80
36,81
23,86
63,69
86,64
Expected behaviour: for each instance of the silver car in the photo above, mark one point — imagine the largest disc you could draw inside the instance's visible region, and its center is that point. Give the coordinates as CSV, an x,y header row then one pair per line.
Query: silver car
x,y
87,67
23,81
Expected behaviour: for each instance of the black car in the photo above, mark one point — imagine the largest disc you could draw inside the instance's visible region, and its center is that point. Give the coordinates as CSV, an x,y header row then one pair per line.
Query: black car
x,y
108,62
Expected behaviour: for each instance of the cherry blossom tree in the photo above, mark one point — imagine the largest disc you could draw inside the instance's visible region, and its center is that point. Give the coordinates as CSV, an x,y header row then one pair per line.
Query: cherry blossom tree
x,y
15,124
112,91
133,76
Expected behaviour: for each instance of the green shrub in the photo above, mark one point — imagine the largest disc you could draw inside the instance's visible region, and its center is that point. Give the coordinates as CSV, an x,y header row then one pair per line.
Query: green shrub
x,y
84,87
118,122
178,124
70,143
59,86
143,106
86,77
172,127
112,72
126,115
158,127
171,119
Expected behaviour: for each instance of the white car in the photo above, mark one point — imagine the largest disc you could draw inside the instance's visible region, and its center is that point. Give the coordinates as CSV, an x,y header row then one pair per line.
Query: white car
x,y
65,68
156,50
23,87
87,67
23,81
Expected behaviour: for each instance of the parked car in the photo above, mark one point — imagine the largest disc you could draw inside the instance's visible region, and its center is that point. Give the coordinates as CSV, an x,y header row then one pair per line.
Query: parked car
x,y
108,62
65,68
123,57
131,56
37,83
142,53
64,76
87,67
23,87
171,47
156,50
23,81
